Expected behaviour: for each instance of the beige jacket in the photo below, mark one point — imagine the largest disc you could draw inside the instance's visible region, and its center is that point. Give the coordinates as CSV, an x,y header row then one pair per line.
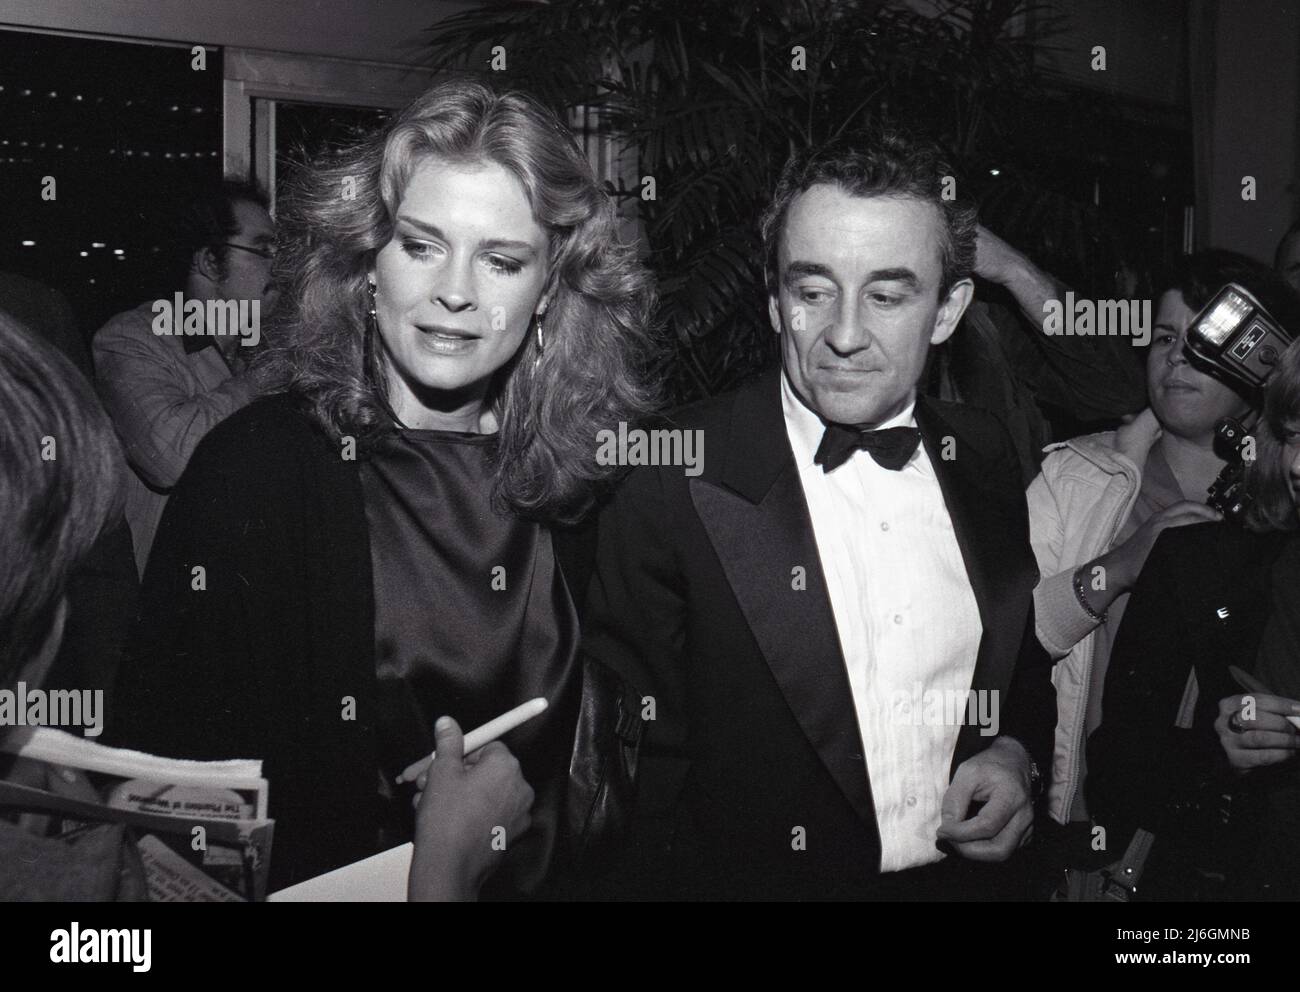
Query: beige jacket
x,y
1077,505
163,400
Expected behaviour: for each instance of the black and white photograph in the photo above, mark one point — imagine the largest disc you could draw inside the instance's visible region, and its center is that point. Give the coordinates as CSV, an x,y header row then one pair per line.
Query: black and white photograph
x,y
619,453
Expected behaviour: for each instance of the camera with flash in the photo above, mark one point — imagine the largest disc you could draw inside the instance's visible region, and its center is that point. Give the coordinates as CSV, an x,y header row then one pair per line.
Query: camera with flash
x,y
1234,336
1236,340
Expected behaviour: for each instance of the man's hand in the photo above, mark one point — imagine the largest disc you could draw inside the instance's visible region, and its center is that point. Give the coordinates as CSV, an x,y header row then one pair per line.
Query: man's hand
x,y
1259,734
464,801
998,777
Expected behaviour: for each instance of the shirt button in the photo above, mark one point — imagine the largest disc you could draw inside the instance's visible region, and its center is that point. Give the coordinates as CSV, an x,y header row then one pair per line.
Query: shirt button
x,y
884,525
898,618
911,800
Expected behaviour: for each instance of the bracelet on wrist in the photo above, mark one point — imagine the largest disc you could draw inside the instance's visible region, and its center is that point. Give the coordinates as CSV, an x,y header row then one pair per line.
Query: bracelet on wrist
x,y
1082,597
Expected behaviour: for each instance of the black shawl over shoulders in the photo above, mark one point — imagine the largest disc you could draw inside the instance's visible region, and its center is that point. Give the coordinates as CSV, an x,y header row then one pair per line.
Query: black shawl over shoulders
x,y
255,637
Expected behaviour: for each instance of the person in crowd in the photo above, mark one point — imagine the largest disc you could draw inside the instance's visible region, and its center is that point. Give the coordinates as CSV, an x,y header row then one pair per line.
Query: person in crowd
x,y
1100,502
168,374
103,589
1286,260
1200,756
1003,358
56,509
762,640
396,538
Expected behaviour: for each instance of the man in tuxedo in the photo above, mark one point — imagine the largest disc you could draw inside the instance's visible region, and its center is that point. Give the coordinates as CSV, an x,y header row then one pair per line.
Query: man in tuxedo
x,y
766,641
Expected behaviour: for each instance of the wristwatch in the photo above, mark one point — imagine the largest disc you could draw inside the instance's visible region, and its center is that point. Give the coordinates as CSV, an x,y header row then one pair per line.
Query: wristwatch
x,y
1035,780
1036,783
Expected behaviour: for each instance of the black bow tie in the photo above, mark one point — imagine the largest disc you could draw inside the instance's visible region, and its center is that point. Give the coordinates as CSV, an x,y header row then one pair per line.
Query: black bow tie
x,y
892,448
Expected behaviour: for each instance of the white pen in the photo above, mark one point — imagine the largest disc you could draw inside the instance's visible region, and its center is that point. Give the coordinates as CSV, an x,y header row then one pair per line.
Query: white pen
x,y
485,734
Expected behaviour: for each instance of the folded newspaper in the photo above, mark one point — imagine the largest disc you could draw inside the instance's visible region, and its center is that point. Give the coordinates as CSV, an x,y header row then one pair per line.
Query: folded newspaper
x,y
201,826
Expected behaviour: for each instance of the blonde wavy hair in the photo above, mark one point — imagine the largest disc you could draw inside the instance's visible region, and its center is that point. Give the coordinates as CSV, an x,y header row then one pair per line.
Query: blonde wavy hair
x,y
550,404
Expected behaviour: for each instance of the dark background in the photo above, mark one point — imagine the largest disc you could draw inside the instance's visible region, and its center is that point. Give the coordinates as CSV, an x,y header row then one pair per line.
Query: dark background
x,y
120,127
1091,183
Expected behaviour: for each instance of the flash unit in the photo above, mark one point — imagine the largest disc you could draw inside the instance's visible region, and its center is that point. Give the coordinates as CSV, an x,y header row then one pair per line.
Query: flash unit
x,y
1234,336
1235,340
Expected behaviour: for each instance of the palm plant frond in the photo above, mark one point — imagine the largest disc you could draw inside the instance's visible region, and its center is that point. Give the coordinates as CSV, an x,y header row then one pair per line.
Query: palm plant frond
x,y
705,96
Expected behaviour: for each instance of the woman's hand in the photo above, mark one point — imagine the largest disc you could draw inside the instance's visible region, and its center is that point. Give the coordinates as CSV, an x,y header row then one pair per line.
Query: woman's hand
x,y
1124,562
1254,731
470,810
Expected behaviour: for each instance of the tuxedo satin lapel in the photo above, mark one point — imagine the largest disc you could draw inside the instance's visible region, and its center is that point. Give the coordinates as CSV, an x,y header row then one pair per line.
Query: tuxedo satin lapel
x,y
758,523
989,523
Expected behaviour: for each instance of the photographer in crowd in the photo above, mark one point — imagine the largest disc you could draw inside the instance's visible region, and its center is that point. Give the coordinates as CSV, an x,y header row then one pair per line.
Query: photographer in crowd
x,y
1181,751
1101,501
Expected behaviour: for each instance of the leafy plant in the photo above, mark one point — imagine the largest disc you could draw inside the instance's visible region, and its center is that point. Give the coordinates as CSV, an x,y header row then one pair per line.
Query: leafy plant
x,y
710,97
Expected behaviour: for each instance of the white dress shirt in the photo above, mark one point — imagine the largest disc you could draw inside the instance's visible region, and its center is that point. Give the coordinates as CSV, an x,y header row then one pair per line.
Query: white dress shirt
x,y
908,623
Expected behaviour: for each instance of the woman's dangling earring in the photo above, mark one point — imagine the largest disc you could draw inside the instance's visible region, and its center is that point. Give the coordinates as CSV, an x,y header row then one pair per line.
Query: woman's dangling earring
x,y
372,331
541,342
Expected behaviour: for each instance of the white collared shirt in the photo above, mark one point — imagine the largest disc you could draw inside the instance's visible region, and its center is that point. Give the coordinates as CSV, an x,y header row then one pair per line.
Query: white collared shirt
x,y
908,623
